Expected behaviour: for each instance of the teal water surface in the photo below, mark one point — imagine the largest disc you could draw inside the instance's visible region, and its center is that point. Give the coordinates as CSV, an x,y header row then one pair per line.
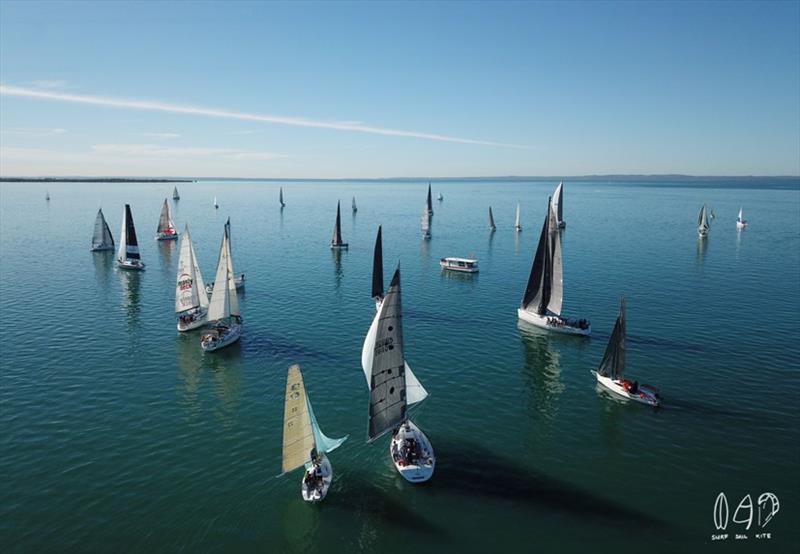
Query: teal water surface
x,y
118,434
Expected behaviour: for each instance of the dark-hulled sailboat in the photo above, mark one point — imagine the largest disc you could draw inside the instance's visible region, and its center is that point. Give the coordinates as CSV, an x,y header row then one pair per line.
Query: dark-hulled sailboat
x,y
610,374
336,240
544,293
101,238
128,256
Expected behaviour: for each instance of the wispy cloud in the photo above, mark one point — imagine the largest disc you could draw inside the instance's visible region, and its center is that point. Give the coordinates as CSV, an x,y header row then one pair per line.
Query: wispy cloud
x,y
157,151
49,84
160,136
150,105
33,131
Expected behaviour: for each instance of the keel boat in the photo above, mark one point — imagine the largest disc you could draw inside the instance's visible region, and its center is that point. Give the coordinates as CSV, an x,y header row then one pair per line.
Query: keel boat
x,y
166,228
101,238
223,310
336,241
128,256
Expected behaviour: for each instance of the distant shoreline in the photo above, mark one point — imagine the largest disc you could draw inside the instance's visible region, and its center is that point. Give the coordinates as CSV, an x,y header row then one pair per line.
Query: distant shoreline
x,y
89,180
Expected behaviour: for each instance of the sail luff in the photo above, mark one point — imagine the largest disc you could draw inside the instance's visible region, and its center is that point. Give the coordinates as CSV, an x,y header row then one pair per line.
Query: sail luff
x,y
534,291
556,268
298,432
377,267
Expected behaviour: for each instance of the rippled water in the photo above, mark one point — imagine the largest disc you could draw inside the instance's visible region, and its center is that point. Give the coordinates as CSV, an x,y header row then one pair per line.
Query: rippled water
x,y
116,433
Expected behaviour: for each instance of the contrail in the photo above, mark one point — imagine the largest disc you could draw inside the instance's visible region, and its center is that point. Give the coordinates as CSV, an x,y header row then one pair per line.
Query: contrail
x,y
154,106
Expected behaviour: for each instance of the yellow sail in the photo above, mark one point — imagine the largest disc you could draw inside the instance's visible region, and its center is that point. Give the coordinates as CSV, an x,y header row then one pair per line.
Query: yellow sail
x,y
298,434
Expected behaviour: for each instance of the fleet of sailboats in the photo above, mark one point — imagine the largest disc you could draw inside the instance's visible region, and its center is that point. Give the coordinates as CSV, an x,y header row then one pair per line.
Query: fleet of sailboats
x,y
702,223
223,309
166,228
128,256
304,444
191,300
101,238
544,293
558,205
336,240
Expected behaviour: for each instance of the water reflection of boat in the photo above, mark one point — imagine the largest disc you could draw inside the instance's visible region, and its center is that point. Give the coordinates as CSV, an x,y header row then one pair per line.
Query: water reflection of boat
x,y
131,296
103,262
338,271
542,367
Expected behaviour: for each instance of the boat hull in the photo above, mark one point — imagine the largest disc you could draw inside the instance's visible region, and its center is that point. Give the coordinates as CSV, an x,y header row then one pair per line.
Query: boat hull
x,y
317,493
645,395
101,248
741,224
215,340
546,322
458,269
197,320
166,236
343,246
131,265
418,468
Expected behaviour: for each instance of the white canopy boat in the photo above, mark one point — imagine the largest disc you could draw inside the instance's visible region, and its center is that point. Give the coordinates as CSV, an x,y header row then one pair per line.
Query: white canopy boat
x,y
462,265
741,222
702,223
492,226
128,256
336,240
166,228
101,239
191,301
223,310
558,205
280,198
544,294
394,388
304,444
175,195
355,208
429,202
425,223
238,280
518,223
612,367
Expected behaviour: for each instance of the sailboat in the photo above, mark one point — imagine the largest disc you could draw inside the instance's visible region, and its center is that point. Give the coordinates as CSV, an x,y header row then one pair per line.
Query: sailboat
x,y
304,444
492,226
429,203
237,281
47,195
426,223
223,310
355,208
216,206
741,222
336,241
101,239
280,198
191,300
518,224
702,223
377,271
128,256
175,195
439,197
544,294
612,367
394,388
166,228
558,205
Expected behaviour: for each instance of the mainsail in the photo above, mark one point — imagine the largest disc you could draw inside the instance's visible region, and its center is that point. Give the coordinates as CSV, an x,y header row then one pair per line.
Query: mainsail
x,y
377,267
102,239
558,203
165,224
492,226
128,245
220,305
234,298
430,202
518,224
280,198
336,240
556,267
544,291
175,195
740,217
387,399
188,292
613,362
198,276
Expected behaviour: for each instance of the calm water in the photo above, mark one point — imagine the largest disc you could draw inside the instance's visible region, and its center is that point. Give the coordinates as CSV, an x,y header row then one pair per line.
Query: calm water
x,y
116,433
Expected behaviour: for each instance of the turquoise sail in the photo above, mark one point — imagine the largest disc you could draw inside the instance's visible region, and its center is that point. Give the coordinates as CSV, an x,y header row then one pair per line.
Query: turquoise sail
x,y
324,444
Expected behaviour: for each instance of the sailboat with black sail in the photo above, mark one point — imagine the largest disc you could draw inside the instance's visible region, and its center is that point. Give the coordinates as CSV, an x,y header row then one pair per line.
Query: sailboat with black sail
x,y
166,228
429,202
223,310
128,256
336,241
101,238
610,374
280,198
304,444
492,226
355,208
544,293
191,300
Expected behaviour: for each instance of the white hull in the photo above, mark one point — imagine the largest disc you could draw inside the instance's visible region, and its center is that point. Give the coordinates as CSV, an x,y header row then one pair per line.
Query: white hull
x,y
548,322
238,282
133,265
419,467
216,338
444,265
645,394
741,224
192,321
318,492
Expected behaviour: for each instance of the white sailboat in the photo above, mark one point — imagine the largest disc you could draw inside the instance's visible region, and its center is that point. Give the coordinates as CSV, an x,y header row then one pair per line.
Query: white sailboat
x,y
101,239
610,374
355,208
429,202
336,241
426,223
223,310
702,223
166,228
518,223
238,280
544,294
492,226
741,222
216,206
191,300
304,444
280,198
558,205
439,197
393,389
175,195
128,256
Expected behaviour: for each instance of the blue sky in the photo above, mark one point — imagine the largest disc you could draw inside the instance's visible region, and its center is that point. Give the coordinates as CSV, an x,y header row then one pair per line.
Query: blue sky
x,y
410,89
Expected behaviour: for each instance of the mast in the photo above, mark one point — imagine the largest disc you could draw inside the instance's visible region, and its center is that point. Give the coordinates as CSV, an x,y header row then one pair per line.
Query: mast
x,y
613,362
387,398
187,295
337,229
377,267
492,226
430,202
537,292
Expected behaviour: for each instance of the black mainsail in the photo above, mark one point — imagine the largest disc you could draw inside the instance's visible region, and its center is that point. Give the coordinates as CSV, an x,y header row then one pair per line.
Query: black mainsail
x,y
492,226
387,390
537,292
430,202
613,362
131,244
336,240
377,267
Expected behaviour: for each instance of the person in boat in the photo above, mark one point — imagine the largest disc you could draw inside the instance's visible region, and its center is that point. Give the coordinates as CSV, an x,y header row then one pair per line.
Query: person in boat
x,y
631,387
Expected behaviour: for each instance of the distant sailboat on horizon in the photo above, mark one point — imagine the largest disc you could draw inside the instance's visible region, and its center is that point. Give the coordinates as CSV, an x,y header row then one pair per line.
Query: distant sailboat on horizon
x,y
175,195
101,239
280,198
128,256
166,228
518,223
492,226
355,208
741,222
216,206
336,240
702,223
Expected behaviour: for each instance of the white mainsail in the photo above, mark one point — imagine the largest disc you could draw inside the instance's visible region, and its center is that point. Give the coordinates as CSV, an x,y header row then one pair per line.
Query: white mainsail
x,y
517,224
188,295
234,298
123,238
702,221
198,275
165,224
556,269
220,305
558,203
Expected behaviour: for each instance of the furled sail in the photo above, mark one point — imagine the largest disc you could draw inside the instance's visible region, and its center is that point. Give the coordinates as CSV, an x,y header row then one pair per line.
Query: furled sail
x,y
387,402
336,240
128,246
613,362
165,224
377,267
558,203
234,297
102,239
492,226
220,305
